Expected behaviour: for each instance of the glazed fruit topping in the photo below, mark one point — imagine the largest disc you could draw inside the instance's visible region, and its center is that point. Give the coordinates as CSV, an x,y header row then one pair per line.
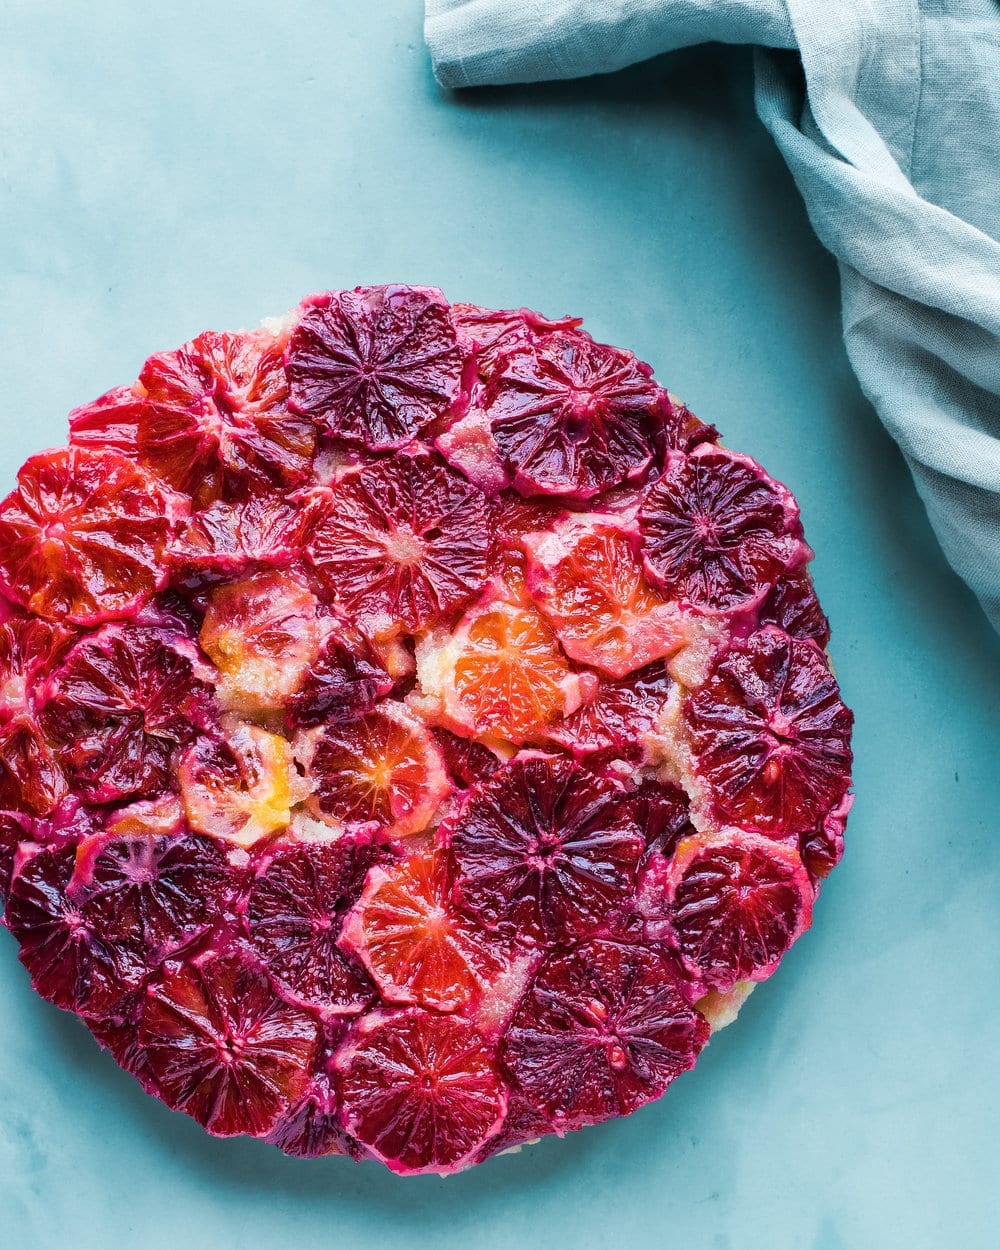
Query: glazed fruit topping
x,y
500,675
421,1090
617,723
546,846
161,893
223,1047
603,1030
210,419
410,936
403,543
310,1128
732,903
792,605
415,730
346,680
384,768
68,962
376,365
121,707
295,913
717,531
572,417
15,828
228,539
83,536
770,735
586,577
242,788
30,777
494,333
264,636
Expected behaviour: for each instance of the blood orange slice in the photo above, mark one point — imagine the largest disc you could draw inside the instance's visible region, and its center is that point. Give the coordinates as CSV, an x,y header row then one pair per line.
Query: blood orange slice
x,y
771,737
82,537
663,813
734,903
467,762
617,723
403,542
490,338
792,606
602,1031
242,789
405,930
247,370
123,704
70,965
822,848
30,775
259,439
572,417
29,650
294,916
587,579
507,559
311,1127
383,767
223,1048
377,364
419,1090
523,1125
546,847
263,634
14,829
717,531
117,1033
232,539
162,815
493,334
159,894
346,680
207,418
499,675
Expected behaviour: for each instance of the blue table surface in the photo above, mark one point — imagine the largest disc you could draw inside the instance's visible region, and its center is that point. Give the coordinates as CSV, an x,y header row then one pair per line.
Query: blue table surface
x,y
170,167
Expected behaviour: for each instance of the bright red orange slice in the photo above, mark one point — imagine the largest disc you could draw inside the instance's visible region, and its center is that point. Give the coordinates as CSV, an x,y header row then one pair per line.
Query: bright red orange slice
x,y
500,674
586,577
407,932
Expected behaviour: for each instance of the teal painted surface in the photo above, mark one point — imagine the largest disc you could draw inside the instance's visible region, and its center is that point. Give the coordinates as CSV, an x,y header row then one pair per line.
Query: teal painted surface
x,y
170,167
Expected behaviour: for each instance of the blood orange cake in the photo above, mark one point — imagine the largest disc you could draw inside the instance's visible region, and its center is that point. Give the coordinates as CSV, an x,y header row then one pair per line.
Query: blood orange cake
x,y
416,731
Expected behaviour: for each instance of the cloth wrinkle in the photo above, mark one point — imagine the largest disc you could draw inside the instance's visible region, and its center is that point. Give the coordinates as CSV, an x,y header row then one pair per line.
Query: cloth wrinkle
x,y
921,35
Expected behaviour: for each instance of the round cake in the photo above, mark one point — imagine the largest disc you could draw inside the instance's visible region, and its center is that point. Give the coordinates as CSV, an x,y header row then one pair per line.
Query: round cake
x,y
416,729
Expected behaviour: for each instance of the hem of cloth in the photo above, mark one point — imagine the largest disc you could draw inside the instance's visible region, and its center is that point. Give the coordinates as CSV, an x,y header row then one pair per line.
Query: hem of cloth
x,y
887,40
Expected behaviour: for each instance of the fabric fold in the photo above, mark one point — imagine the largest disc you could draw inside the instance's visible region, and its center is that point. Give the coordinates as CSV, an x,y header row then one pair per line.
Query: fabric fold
x,y
901,185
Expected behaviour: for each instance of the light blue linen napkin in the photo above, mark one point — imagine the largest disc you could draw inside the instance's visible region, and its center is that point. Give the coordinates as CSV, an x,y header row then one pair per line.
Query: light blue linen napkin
x,y
893,136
